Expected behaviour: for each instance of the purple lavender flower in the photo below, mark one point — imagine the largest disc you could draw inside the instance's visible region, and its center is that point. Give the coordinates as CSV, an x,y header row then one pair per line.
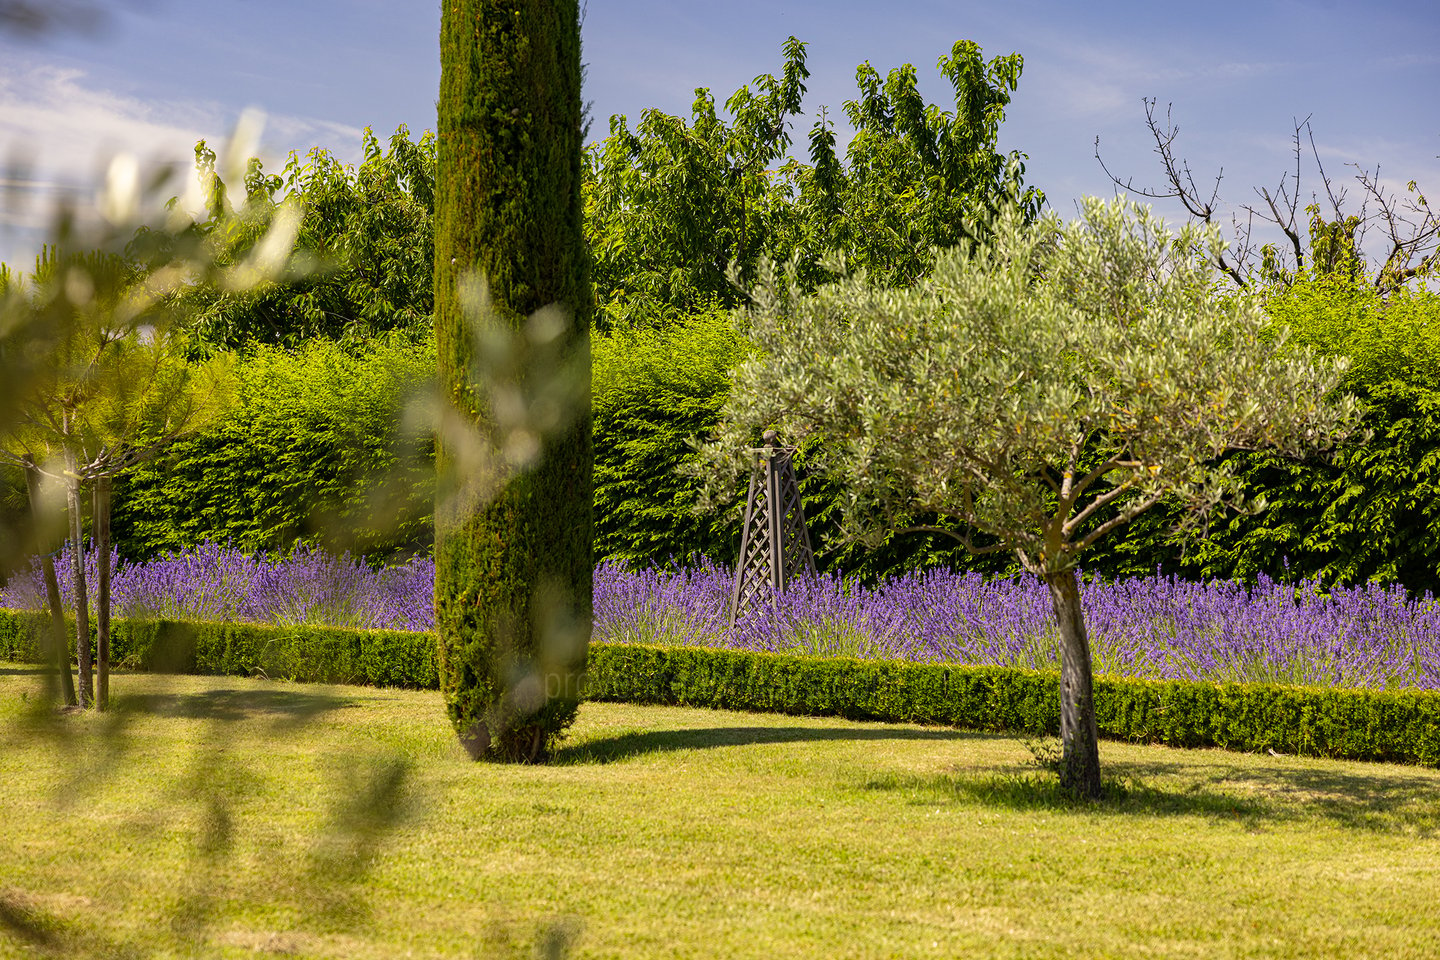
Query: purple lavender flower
x,y
1156,627
216,583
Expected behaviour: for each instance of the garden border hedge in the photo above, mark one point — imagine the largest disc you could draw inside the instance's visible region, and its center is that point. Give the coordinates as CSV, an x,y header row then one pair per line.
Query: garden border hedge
x,y
1400,726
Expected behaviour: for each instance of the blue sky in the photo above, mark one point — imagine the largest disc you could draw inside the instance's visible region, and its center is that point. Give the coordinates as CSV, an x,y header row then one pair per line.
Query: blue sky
x,y
167,72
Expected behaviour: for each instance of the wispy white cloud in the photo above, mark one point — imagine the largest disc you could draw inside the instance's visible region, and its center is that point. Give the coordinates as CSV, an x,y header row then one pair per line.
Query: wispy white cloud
x,y
59,127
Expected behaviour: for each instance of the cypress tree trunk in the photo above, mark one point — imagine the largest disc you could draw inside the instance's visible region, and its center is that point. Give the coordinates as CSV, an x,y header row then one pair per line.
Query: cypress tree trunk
x,y
1079,736
512,576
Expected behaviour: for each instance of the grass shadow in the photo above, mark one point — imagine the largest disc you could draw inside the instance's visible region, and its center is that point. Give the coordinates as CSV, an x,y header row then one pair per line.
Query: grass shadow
x,y
1386,800
23,671
1035,790
285,709
629,745
1246,796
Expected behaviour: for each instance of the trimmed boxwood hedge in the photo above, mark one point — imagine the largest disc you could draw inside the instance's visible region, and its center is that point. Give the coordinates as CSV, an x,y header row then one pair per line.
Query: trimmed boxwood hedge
x,y
1400,726
380,658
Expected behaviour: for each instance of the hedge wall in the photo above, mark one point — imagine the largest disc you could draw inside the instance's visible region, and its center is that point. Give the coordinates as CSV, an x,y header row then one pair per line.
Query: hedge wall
x,y
1402,727
380,658
1385,725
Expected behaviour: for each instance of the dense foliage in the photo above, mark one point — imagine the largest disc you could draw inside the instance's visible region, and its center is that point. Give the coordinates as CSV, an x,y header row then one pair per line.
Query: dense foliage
x,y
672,205
656,393
365,237
313,448
1366,511
1369,510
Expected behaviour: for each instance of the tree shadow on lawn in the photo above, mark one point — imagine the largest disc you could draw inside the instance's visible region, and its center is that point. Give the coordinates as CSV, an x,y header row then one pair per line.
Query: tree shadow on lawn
x,y
23,671
1387,800
286,709
1390,802
628,745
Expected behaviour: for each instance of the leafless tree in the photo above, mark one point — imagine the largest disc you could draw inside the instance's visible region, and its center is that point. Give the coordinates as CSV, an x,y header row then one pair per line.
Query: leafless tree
x,y
1319,235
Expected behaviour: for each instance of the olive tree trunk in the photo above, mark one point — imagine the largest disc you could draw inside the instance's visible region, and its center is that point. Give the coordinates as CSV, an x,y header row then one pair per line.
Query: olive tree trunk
x,y
1079,736
513,575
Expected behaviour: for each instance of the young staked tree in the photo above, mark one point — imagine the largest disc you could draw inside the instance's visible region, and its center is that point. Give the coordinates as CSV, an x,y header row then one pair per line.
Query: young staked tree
x,y
1039,392
513,563
94,375
115,389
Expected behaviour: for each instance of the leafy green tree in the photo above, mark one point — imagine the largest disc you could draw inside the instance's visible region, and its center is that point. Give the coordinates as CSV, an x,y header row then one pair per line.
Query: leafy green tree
x,y
915,177
365,241
1042,390
670,205
513,576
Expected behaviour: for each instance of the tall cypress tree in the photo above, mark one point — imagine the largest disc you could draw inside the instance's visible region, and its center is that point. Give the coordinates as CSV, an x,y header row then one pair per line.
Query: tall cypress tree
x,y
513,575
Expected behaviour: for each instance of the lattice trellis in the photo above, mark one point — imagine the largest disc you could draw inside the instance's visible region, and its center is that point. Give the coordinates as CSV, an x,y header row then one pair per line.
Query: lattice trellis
x,y
774,544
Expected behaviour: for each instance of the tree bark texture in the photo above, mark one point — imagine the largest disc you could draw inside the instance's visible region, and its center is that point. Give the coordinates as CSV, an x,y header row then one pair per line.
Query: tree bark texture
x,y
101,522
82,600
58,651
508,209
1079,736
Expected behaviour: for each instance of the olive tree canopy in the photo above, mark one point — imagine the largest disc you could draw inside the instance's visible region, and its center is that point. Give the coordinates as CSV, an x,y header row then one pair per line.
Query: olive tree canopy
x,y
1038,392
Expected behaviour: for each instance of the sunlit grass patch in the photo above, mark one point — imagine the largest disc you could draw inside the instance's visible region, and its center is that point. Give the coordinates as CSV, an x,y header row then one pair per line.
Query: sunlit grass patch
x,y
226,817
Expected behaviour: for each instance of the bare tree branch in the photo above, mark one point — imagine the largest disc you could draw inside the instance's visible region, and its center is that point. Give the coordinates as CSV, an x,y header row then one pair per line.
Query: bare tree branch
x,y
1411,227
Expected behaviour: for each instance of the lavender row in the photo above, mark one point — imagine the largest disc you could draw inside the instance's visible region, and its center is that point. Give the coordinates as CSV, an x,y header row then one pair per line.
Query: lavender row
x,y
211,582
1158,627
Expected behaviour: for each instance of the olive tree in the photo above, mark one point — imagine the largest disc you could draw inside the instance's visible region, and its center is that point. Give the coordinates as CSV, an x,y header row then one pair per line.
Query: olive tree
x,y
1038,393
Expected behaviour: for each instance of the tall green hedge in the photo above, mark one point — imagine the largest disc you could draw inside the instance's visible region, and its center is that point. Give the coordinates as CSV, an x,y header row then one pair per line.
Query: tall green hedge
x,y
1369,510
657,391
513,577
313,449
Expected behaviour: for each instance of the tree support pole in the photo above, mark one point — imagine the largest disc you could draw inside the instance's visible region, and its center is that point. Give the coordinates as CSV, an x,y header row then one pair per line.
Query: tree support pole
x,y
101,521
58,652
82,601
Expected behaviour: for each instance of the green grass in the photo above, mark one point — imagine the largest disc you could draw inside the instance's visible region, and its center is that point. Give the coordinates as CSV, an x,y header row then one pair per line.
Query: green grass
x,y
225,817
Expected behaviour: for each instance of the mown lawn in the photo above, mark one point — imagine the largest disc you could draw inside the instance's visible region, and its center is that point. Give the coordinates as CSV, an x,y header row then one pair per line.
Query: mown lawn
x,y
226,817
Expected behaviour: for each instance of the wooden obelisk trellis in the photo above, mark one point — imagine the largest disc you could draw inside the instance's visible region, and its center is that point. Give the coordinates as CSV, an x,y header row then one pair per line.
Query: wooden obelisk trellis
x,y
774,544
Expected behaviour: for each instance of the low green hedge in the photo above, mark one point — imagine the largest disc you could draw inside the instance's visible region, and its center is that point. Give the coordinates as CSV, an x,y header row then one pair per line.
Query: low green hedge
x,y
1397,726
381,658
1386,725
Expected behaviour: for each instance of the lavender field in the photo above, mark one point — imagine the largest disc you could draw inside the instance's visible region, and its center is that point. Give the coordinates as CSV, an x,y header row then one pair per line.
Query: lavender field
x,y
1158,627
